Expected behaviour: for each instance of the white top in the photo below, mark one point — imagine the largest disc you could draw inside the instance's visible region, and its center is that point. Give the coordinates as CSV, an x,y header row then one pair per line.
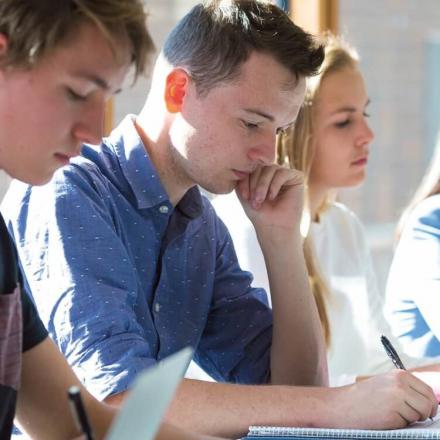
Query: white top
x,y
354,305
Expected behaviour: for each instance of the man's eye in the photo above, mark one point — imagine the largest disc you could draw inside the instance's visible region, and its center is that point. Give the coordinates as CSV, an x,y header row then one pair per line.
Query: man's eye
x,y
250,125
75,96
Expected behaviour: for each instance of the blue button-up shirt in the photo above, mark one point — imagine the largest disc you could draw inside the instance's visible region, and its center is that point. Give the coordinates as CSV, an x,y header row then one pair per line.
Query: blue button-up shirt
x,y
122,278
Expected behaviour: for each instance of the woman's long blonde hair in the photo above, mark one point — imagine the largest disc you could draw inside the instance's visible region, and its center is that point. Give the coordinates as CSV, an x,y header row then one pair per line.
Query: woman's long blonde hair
x,y
296,149
429,186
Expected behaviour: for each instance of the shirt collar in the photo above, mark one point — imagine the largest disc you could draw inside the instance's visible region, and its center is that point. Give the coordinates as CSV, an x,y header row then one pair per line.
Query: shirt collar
x,y
191,204
136,165
141,174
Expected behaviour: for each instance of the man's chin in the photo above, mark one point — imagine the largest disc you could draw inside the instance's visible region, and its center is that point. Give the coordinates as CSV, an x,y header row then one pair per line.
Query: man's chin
x,y
37,179
218,190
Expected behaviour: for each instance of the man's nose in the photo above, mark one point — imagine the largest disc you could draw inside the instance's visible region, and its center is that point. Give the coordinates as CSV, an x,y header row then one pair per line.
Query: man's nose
x,y
265,151
90,126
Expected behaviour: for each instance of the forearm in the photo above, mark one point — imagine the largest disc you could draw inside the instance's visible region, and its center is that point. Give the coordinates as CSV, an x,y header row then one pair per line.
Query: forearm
x,y
298,353
43,409
228,410
169,432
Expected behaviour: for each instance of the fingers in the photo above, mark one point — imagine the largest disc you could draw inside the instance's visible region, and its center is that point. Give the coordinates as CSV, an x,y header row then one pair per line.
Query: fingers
x,y
284,179
431,378
394,400
422,398
260,181
243,189
418,400
267,182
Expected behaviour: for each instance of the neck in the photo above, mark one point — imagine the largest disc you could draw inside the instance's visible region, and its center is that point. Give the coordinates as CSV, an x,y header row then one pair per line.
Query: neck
x,y
153,128
317,196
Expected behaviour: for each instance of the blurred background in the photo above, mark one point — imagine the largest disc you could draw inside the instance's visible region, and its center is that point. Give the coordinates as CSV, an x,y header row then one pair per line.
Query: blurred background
x,y
399,45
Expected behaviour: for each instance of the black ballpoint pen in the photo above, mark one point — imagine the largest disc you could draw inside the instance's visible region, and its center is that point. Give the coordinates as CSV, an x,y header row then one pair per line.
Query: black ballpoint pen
x,y
392,353
79,412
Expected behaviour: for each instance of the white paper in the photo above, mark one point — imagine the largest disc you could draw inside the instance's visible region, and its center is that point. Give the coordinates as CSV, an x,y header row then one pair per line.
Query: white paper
x,y
429,429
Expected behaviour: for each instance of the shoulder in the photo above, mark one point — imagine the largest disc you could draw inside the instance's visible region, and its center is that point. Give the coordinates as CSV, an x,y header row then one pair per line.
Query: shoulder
x,y
428,210
86,174
77,184
93,166
339,217
341,231
426,216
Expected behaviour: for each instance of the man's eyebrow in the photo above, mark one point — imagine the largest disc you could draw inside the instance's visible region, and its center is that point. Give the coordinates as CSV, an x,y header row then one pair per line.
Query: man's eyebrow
x,y
260,113
268,117
101,83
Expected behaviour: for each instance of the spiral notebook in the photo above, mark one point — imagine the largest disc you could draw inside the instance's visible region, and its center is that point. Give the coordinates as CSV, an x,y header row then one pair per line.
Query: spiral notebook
x,y
430,429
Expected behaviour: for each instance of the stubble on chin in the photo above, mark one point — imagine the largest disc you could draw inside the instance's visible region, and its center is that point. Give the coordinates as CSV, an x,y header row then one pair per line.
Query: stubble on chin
x,y
218,188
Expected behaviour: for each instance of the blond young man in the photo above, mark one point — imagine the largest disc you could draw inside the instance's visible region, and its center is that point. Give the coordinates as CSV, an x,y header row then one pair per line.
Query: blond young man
x,y
59,63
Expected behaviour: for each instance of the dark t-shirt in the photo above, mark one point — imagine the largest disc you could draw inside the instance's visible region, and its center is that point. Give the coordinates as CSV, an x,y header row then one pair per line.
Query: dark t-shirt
x,y
20,330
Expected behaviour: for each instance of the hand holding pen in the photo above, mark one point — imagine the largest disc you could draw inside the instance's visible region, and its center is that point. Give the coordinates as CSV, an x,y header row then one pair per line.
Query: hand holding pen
x,y
392,353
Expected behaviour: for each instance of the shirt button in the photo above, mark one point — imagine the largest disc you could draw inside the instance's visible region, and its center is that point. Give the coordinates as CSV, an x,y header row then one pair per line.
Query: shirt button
x,y
163,209
157,307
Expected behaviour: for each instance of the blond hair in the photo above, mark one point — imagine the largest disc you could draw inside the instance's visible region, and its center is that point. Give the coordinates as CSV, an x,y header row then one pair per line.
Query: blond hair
x,y
35,28
429,186
296,149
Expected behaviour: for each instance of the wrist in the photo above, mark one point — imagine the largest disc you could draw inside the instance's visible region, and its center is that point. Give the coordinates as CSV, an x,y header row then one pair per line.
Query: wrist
x,y
279,235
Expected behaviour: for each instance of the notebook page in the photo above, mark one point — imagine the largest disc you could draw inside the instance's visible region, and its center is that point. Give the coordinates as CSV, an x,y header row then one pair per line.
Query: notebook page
x,y
428,429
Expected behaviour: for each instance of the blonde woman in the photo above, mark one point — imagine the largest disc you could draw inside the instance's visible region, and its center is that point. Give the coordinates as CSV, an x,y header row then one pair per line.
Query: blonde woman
x,y
330,144
413,289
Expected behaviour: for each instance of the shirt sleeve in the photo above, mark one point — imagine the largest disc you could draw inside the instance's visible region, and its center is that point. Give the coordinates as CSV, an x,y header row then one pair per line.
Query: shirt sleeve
x,y
235,345
82,280
34,331
413,286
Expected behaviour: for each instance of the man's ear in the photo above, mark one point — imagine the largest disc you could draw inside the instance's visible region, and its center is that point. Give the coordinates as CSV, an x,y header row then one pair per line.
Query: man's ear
x,y
4,42
176,88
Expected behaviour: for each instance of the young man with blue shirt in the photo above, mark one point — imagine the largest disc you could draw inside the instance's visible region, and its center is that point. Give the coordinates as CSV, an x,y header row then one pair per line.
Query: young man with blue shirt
x,y
128,263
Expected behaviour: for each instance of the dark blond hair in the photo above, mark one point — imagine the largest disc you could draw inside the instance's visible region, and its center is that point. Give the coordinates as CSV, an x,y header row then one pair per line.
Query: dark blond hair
x,y
296,149
215,38
35,28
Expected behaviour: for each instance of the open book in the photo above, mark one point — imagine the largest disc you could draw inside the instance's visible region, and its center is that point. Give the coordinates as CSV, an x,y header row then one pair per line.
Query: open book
x,y
429,429
152,391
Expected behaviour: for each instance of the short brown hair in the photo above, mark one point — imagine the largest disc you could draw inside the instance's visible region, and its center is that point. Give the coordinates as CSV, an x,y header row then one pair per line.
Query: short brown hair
x,y
215,38
35,28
